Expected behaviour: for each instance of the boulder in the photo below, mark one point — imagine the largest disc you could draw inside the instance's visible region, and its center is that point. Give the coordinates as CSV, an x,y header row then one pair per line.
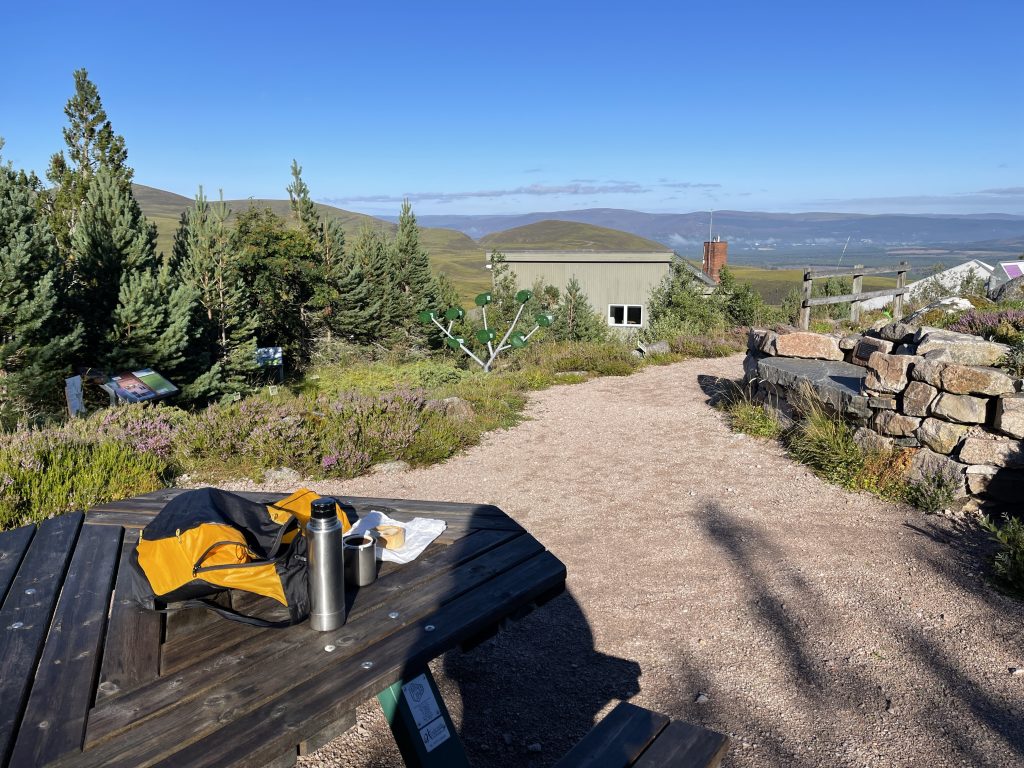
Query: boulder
x,y
949,305
941,436
657,348
995,451
928,371
805,344
897,332
755,337
866,347
917,397
928,464
963,348
1010,416
1011,291
895,424
975,380
888,373
457,408
964,409
390,467
750,366
846,343
872,442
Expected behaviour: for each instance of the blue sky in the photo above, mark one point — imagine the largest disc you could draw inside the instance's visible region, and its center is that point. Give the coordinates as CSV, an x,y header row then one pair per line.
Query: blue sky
x,y
485,107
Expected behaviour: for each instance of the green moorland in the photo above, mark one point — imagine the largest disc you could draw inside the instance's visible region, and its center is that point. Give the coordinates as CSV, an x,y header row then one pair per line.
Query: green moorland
x,y
568,235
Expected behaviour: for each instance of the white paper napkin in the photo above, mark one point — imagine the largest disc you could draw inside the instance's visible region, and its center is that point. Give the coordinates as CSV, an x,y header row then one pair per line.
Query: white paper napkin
x,y
419,532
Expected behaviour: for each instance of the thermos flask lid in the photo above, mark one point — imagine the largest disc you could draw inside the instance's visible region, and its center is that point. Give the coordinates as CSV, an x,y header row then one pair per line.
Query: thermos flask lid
x,y
323,509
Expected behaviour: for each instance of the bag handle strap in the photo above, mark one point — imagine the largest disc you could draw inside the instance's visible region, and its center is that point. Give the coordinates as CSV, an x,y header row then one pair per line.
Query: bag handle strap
x,y
275,555
231,615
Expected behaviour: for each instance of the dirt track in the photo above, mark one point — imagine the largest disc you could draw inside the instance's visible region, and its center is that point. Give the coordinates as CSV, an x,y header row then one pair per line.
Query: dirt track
x,y
825,628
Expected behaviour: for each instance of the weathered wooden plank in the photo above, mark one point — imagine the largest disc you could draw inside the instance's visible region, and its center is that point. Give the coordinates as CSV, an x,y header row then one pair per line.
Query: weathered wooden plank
x,y
815,274
119,518
131,652
819,301
25,617
193,702
684,744
13,545
617,741
275,723
62,693
327,735
182,651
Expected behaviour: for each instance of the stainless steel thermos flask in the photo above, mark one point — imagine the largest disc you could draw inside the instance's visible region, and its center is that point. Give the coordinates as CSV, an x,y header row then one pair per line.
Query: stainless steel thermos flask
x,y
326,566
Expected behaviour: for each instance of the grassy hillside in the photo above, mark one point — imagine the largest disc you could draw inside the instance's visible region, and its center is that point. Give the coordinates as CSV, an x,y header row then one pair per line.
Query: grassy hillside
x,y
774,284
567,235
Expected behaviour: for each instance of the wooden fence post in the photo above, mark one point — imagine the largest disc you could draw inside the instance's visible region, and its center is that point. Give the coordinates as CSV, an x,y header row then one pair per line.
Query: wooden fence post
x,y
901,283
858,286
805,308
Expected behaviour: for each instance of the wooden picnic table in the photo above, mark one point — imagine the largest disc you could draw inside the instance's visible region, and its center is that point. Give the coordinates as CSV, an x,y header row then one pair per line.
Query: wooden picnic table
x,y
92,679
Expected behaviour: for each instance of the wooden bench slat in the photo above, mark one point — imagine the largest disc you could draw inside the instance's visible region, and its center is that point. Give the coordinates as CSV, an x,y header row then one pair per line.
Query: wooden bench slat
x,y
683,744
30,602
618,740
13,545
265,729
266,666
54,718
131,654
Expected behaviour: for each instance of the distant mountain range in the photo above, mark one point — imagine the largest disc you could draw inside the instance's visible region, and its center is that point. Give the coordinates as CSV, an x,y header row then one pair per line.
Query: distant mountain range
x,y
752,232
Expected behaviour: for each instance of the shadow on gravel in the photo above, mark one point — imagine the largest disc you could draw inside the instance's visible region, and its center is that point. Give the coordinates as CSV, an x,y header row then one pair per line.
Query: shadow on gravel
x,y
849,698
538,682
714,387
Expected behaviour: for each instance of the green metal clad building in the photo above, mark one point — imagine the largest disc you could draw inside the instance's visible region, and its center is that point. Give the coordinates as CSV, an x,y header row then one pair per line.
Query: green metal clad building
x,y
618,283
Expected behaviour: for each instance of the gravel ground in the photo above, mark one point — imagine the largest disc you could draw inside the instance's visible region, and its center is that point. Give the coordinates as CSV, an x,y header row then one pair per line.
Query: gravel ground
x,y
715,580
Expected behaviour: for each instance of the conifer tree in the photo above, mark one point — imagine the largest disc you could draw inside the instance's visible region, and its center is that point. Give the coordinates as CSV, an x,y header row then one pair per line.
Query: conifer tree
x,y
34,351
340,302
91,145
575,319
415,284
372,252
223,353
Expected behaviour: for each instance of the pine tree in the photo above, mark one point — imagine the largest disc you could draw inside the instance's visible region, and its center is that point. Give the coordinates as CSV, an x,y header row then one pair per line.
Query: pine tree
x,y
223,353
575,319
34,352
372,252
340,303
91,145
415,284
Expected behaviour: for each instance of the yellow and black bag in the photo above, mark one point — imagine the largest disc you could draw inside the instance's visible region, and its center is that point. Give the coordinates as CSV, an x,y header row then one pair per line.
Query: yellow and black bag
x,y
208,541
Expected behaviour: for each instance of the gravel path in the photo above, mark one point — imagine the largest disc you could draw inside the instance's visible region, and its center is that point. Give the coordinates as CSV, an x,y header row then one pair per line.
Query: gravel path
x,y
715,580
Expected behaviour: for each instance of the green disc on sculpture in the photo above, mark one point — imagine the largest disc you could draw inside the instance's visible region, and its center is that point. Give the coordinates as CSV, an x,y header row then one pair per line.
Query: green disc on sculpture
x,y
455,342
524,296
455,313
544,320
425,316
484,335
518,340
483,299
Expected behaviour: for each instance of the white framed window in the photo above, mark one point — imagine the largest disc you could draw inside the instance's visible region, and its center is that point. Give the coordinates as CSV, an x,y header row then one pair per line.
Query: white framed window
x,y
625,315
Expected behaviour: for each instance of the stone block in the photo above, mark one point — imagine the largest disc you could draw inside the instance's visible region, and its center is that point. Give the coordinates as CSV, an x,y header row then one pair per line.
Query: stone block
x,y
881,402
962,348
849,342
928,371
806,345
963,409
917,397
755,338
888,373
1010,416
866,347
995,451
975,380
941,436
895,424
906,442
750,366
766,345
927,464
897,332
997,483
872,442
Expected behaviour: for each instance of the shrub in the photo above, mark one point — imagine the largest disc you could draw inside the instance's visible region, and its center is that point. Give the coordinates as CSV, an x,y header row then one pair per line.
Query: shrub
x,y
1013,361
745,415
1009,560
1006,325
936,491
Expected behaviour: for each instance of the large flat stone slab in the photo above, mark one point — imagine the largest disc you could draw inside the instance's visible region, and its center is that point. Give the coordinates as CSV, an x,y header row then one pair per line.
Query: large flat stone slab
x,y
834,382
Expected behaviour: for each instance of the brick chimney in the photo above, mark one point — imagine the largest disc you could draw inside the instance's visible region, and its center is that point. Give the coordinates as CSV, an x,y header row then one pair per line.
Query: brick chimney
x,y
716,253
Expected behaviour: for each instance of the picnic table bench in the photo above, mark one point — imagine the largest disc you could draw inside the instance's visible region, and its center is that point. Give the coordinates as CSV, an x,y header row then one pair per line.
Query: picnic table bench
x,y
91,679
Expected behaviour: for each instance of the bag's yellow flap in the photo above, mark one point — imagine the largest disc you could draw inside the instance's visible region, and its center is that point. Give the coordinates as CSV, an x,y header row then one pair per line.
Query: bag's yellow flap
x,y
299,505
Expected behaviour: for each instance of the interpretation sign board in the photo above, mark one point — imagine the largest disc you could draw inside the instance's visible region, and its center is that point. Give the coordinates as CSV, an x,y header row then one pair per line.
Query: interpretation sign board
x,y
269,357
142,386
75,396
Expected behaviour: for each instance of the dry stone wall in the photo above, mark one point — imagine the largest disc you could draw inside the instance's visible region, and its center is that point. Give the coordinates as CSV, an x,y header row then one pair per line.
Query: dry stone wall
x,y
927,389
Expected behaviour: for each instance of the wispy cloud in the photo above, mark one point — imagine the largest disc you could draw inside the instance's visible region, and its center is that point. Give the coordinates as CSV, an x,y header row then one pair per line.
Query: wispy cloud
x,y
531,190
1004,191
689,185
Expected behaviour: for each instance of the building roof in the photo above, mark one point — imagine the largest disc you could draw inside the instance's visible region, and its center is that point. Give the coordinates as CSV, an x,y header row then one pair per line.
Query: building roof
x,y
698,273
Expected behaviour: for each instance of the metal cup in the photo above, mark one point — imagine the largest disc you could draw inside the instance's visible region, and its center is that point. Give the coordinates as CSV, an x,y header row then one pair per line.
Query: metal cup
x,y
360,560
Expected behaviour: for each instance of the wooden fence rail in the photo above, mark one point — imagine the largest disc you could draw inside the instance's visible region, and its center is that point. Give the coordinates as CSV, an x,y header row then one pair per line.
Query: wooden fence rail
x,y
857,272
